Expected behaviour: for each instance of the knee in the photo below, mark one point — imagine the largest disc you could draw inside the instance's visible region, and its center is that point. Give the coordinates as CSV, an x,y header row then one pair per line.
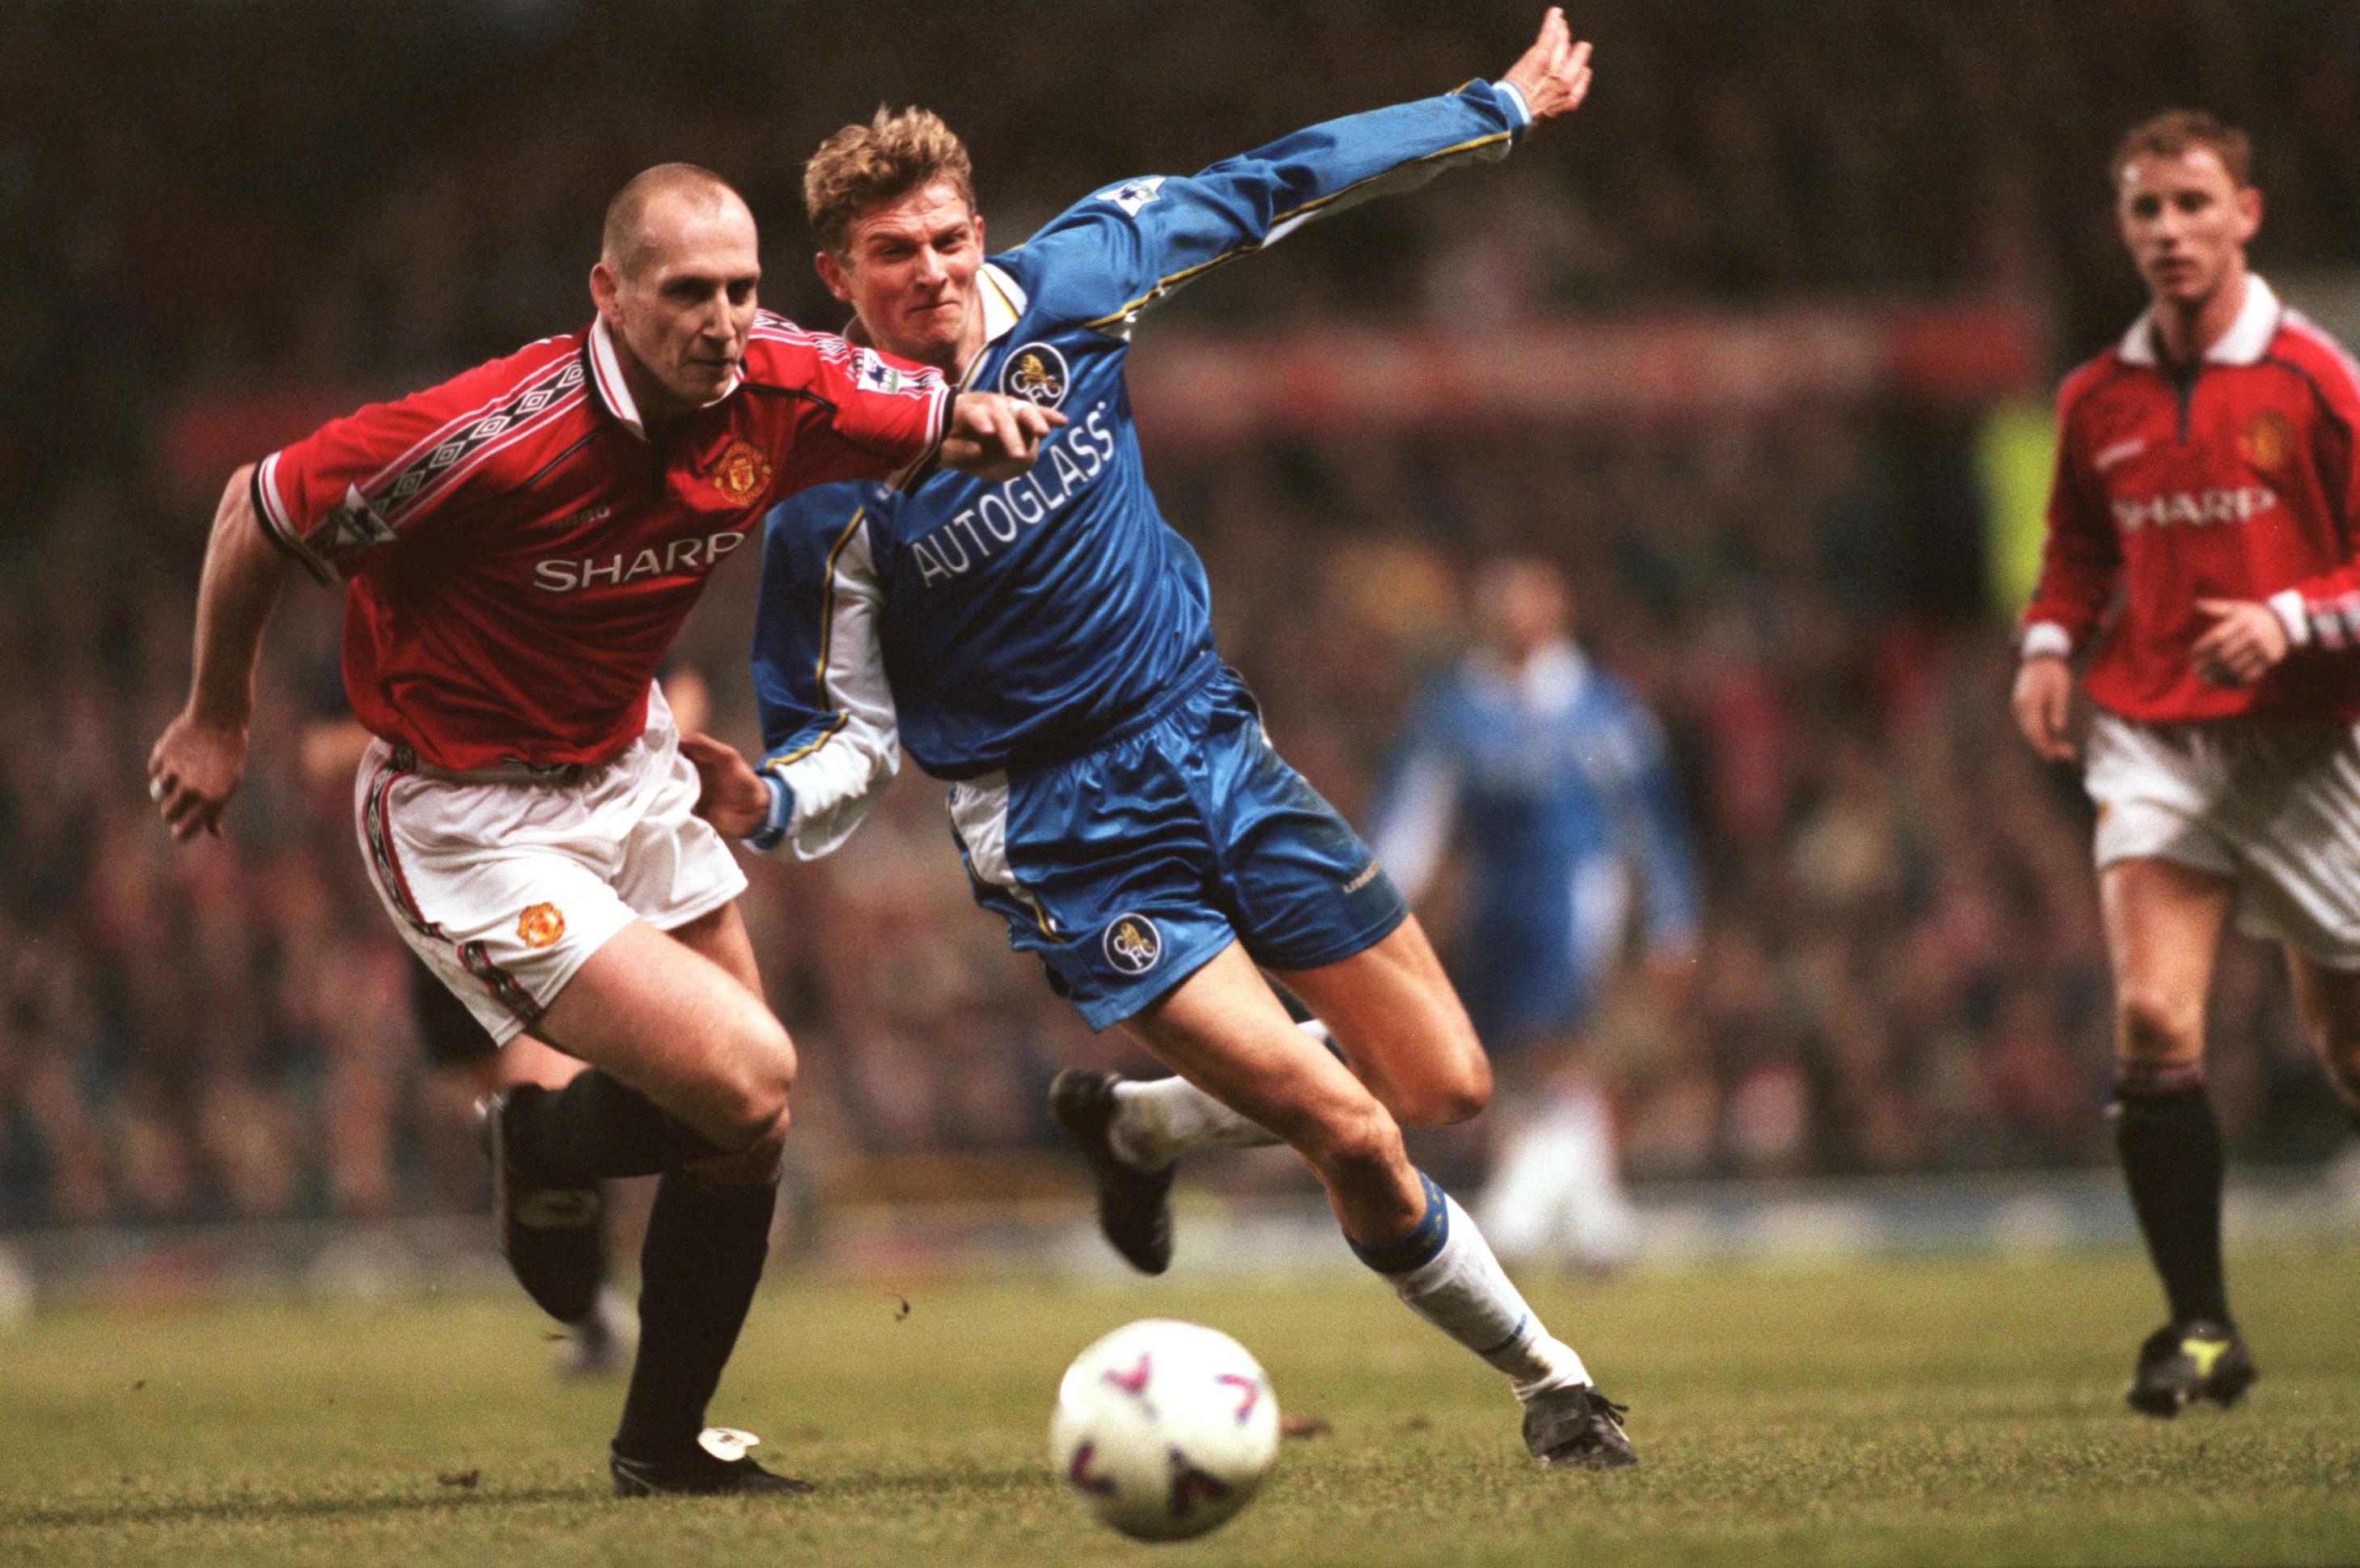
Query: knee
x,y
2156,1026
1454,1089
1360,1143
758,1071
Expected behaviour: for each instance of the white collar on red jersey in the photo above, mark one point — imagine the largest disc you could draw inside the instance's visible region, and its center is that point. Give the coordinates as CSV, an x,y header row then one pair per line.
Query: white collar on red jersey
x,y
606,375
2248,339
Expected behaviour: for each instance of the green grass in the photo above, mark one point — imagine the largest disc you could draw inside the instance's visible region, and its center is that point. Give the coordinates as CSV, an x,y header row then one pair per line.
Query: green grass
x,y
1962,1412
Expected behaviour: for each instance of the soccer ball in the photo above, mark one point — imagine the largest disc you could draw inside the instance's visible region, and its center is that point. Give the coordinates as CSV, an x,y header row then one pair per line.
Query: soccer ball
x,y
1164,1428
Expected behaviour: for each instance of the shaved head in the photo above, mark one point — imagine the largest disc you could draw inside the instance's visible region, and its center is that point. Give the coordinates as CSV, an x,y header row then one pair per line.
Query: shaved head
x,y
675,286
629,238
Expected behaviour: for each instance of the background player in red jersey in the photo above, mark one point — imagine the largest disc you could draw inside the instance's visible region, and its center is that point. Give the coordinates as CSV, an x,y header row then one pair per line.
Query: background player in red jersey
x,y
519,546
2208,472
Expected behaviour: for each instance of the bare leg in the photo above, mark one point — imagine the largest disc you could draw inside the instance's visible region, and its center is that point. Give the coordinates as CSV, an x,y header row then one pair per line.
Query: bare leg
x,y
2328,1002
1224,1030
2163,927
1401,1025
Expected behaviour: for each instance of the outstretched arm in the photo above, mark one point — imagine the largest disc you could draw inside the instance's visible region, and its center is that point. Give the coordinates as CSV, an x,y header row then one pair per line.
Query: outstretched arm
x,y
1107,259
198,762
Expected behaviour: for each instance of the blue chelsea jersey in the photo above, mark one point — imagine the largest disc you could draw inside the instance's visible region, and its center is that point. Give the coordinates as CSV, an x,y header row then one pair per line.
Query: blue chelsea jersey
x,y
1557,781
997,624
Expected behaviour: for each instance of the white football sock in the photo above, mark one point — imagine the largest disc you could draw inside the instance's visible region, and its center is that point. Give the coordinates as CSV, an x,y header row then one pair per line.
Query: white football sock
x,y
1463,1292
1159,1119
1555,1190
1602,1228
1523,1203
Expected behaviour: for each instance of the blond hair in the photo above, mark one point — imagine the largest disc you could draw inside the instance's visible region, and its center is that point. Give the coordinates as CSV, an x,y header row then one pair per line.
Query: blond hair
x,y
884,161
2179,131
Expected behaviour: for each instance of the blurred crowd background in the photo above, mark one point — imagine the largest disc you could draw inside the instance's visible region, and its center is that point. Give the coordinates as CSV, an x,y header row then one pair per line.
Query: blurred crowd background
x,y
227,221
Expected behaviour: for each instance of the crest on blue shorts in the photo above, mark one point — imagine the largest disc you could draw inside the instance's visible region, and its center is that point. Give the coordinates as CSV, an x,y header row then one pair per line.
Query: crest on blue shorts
x,y
1133,943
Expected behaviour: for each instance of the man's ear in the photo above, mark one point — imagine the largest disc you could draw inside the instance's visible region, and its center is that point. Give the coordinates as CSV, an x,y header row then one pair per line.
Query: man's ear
x,y
832,273
604,286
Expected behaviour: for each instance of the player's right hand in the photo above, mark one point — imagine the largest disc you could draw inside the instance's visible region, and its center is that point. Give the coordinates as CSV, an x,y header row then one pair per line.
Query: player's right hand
x,y
996,437
1553,74
2043,701
194,771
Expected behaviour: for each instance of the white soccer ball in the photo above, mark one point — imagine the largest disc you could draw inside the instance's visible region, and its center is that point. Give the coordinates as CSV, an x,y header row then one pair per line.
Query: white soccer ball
x,y
1164,1428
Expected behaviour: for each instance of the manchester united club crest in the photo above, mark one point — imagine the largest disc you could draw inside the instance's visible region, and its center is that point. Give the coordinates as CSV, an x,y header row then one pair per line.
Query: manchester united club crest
x,y
541,925
742,471
2269,439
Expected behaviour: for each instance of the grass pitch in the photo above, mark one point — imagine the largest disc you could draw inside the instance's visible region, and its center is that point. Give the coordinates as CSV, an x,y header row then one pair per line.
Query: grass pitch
x,y
1941,1412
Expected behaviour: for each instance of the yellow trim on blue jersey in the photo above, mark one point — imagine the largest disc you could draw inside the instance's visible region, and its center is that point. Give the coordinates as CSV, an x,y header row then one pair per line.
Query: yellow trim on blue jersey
x,y
827,631
1244,246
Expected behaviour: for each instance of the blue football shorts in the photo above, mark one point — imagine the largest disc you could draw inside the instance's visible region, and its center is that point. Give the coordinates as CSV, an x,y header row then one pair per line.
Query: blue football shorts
x,y
1128,867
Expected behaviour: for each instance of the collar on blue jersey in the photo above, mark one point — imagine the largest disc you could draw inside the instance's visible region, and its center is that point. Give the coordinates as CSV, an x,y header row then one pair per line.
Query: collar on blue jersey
x,y
606,376
1004,307
2248,339
1550,681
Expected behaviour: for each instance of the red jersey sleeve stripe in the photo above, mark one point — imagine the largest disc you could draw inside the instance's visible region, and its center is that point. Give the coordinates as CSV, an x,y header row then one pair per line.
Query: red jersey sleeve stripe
x,y
425,499
457,422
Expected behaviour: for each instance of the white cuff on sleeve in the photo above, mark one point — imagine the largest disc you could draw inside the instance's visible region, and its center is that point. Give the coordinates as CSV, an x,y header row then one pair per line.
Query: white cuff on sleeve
x,y
2044,640
2291,615
1515,97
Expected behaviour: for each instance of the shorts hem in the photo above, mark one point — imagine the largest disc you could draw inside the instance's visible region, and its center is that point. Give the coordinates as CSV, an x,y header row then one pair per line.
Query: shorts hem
x,y
688,914
1334,952
544,996
1105,1011
2219,865
2262,928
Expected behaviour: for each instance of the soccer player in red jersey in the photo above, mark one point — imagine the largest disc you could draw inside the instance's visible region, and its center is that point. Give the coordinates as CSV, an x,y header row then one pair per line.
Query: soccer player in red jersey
x,y
519,545
2208,479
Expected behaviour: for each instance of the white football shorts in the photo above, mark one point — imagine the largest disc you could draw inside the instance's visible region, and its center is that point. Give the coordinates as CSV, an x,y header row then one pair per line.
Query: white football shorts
x,y
2272,806
505,882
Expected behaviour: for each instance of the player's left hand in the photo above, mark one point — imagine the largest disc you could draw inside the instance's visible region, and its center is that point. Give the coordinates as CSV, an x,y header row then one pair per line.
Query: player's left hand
x,y
2247,640
1553,74
730,794
996,437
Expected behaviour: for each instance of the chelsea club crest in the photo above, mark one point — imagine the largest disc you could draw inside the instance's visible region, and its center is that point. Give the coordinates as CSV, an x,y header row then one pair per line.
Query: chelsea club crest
x,y
1035,372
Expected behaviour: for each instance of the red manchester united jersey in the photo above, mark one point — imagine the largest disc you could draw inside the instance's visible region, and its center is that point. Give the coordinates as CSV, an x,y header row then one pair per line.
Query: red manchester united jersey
x,y
2239,480
520,555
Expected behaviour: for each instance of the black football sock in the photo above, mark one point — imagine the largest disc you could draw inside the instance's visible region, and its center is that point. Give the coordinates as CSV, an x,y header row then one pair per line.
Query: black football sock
x,y
2170,1148
597,1126
697,1273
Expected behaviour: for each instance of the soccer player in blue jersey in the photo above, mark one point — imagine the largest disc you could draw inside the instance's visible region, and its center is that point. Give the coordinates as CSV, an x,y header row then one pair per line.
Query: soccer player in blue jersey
x,y
1045,646
1555,778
